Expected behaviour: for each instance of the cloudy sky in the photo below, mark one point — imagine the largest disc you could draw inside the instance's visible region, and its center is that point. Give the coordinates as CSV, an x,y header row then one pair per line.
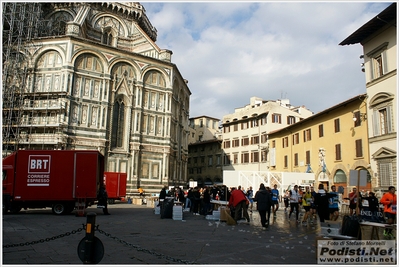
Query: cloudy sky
x,y
231,51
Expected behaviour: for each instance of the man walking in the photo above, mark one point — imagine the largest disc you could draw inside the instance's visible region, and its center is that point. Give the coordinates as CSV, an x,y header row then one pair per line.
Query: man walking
x,y
264,202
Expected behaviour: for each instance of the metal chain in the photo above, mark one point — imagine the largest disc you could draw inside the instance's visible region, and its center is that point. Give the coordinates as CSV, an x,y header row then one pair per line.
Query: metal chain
x,y
46,239
138,248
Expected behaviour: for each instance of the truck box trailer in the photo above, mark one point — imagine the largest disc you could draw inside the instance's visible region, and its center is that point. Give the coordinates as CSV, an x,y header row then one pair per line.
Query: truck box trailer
x,y
59,179
115,184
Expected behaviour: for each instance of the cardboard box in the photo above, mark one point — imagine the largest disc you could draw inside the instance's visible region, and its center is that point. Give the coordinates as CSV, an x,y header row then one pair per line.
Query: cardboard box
x,y
223,211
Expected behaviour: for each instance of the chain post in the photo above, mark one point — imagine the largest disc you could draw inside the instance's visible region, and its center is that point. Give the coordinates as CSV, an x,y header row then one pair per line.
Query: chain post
x,y
89,242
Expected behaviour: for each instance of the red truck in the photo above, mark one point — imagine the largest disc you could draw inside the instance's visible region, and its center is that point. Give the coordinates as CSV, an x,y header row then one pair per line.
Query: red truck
x,y
115,184
59,179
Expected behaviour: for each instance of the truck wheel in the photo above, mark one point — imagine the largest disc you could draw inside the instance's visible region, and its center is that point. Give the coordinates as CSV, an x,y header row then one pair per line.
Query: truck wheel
x,y
59,208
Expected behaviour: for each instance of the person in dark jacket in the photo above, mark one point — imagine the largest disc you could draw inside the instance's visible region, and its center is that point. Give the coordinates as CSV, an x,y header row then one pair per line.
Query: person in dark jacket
x,y
162,195
263,199
196,200
321,202
103,199
206,207
374,206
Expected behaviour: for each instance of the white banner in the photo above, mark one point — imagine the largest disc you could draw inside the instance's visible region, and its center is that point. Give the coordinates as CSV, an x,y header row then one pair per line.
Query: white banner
x,y
362,252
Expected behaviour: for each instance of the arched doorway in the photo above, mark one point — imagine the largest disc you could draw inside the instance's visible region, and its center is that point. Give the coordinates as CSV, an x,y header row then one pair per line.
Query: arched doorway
x,y
340,179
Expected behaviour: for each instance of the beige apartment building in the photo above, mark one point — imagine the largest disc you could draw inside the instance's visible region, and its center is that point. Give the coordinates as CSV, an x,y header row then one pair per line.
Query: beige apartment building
x,y
328,144
379,40
205,154
203,128
245,132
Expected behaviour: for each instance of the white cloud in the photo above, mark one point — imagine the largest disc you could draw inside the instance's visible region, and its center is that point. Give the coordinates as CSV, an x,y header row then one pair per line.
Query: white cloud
x,y
231,51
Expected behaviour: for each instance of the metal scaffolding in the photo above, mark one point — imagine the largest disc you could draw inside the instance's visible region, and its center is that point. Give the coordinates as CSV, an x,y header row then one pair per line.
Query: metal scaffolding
x,y
21,22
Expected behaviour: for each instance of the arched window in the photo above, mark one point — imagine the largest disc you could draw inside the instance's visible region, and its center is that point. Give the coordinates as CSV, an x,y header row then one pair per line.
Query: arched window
x,y
118,121
340,177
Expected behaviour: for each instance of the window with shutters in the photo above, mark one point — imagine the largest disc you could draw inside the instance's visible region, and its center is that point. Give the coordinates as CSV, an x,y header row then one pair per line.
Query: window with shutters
x,y
245,141
254,140
285,161
245,157
338,152
285,142
336,126
276,118
385,174
226,129
308,157
254,123
244,125
236,143
307,135
321,130
382,121
227,144
378,61
295,139
236,127
290,120
235,158
382,118
359,148
296,159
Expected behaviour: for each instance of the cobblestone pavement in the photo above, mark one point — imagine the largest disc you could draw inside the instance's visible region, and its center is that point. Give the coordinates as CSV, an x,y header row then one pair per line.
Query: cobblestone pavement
x,y
133,234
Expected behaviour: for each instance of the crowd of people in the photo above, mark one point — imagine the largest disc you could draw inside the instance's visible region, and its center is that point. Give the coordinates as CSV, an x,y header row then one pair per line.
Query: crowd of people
x,y
304,202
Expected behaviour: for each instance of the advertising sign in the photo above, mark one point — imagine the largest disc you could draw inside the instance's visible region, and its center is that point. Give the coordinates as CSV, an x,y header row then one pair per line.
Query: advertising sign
x,y
39,170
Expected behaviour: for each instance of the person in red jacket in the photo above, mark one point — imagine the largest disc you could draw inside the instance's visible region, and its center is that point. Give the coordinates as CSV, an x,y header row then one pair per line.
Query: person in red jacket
x,y
238,201
389,202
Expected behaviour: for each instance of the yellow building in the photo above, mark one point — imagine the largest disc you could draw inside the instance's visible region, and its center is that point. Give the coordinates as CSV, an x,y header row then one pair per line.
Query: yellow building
x,y
328,144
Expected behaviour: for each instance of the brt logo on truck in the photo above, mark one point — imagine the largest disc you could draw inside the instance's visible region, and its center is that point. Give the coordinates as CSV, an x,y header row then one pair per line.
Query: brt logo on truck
x,y
39,170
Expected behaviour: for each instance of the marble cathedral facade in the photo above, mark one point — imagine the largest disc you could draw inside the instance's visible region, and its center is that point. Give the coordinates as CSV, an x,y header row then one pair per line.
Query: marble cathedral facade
x,y
98,81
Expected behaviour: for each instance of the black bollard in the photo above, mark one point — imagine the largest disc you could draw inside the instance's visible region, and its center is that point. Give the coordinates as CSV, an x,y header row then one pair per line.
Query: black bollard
x,y
89,239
